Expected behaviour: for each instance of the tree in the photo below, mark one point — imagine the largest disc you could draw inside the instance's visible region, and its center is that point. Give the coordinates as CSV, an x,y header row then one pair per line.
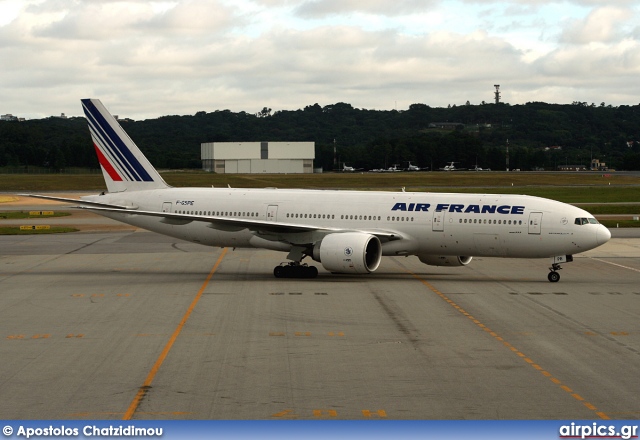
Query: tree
x,y
264,113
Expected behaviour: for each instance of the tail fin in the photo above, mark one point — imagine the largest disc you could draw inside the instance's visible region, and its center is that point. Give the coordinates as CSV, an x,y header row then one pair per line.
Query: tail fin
x,y
124,167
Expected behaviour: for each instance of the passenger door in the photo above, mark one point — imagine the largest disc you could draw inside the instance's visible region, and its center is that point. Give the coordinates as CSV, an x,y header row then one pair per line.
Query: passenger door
x,y
438,221
535,223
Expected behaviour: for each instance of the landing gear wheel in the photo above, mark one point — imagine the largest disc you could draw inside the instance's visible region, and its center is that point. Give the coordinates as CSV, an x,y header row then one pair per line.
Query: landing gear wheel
x,y
554,276
295,270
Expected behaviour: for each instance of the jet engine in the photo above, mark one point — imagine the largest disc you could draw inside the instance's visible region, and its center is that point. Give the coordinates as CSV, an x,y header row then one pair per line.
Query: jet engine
x,y
349,252
444,260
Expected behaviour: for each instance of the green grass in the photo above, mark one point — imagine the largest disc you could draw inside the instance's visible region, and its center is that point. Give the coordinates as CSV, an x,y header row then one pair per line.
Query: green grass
x,y
421,181
15,230
13,215
564,187
612,209
568,194
612,224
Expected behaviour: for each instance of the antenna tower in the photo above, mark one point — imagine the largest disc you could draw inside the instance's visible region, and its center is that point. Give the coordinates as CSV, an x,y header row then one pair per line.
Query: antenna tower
x,y
507,154
497,93
335,163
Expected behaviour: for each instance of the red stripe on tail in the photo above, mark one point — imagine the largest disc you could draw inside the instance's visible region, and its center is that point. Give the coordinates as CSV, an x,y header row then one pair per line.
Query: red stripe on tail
x,y
107,165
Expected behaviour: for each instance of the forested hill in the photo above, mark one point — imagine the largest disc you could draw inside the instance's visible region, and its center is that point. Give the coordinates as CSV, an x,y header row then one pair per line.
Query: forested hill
x,y
363,138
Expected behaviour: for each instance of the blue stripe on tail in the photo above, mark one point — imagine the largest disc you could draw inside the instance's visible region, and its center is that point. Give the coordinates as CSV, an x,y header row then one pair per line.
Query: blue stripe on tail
x,y
116,145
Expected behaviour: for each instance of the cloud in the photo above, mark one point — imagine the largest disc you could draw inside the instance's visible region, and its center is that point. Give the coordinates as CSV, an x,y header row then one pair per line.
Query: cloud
x,y
603,25
322,8
145,59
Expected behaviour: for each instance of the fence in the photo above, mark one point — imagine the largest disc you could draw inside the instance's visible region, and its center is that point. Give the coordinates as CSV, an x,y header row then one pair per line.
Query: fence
x,y
43,170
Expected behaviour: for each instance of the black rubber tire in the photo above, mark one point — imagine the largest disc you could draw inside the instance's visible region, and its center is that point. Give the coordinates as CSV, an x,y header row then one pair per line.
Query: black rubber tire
x,y
312,272
554,277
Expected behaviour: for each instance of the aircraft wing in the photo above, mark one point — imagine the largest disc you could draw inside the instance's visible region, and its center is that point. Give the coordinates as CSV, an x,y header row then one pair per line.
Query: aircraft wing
x,y
231,224
82,202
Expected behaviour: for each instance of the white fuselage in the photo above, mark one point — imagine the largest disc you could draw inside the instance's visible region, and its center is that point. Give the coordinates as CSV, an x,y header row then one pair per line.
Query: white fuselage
x,y
428,223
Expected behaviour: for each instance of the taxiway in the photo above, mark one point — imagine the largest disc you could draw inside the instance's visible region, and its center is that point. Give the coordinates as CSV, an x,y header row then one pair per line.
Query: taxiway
x,y
131,324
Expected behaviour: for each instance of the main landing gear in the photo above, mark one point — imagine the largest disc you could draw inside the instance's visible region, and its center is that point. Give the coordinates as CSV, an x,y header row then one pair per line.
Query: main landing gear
x,y
295,270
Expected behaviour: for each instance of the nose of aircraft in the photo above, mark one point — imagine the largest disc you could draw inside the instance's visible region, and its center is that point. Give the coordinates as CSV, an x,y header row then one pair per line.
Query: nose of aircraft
x,y
602,235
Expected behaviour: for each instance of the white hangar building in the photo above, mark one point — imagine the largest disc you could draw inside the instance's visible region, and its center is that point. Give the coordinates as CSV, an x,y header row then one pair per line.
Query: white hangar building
x,y
258,157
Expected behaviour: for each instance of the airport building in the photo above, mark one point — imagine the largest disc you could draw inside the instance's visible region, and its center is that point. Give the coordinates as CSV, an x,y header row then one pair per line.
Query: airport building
x,y
258,157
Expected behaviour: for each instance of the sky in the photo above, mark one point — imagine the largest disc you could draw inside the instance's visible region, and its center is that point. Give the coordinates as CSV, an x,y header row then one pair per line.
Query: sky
x,y
146,59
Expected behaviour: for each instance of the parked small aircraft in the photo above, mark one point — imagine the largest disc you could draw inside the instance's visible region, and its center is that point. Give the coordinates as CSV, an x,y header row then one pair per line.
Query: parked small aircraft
x,y
348,169
451,167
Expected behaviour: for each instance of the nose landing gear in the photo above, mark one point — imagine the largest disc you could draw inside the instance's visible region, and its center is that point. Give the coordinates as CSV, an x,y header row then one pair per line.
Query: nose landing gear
x,y
554,276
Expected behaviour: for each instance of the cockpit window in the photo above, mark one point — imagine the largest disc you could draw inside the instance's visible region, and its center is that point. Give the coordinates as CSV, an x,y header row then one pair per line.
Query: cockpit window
x,y
586,221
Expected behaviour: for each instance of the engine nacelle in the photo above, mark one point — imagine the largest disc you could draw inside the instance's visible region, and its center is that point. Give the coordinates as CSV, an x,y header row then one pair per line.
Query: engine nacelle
x,y
444,260
349,252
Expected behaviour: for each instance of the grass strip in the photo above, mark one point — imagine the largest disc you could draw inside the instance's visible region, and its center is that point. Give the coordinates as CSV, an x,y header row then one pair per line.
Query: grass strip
x,y
17,215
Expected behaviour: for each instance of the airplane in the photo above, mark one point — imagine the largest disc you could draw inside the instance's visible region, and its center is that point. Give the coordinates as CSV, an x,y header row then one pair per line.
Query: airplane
x,y
451,167
413,167
393,169
348,169
345,231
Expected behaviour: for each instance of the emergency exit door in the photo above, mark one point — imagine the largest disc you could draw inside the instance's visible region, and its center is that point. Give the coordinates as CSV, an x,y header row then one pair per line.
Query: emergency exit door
x,y
272,213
